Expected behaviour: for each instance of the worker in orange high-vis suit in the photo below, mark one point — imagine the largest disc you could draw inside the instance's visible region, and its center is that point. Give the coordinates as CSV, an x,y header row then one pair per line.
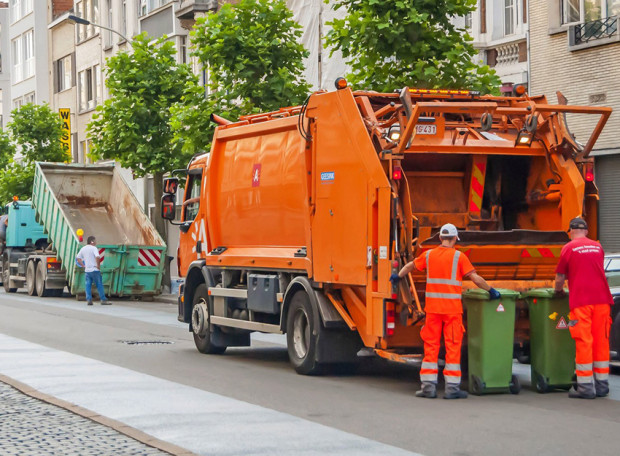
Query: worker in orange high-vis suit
x,y
581,262
445,270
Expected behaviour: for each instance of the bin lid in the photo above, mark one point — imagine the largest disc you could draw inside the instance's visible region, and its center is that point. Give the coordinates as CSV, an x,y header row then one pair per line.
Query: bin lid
x,y
478,293
538,293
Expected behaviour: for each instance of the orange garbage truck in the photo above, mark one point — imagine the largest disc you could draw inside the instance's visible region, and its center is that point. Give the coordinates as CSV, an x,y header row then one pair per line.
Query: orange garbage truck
x,y
296,219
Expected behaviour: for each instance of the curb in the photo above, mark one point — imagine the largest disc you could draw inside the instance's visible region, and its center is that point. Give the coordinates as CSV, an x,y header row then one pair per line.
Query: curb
x,y
122,428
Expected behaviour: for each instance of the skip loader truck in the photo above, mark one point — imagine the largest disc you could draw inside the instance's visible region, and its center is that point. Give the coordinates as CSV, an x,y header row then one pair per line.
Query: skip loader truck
x,y
296,219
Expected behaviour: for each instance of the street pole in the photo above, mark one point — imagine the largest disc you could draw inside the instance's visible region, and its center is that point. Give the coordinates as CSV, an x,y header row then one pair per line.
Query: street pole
x,y
82,21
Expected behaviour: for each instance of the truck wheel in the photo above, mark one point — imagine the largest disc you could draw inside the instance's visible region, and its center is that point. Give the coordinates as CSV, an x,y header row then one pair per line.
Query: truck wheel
x,y
30,278
201,326
301,335
6,274
40,280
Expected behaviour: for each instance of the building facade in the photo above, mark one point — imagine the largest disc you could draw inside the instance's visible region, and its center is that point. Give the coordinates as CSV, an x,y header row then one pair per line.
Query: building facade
x,y
499,29
5,65
575,50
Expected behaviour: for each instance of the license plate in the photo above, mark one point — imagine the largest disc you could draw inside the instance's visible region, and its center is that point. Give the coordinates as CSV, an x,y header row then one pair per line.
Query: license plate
x,y
423,129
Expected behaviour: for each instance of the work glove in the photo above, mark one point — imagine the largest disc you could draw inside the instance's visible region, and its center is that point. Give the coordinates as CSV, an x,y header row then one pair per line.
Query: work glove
x,y
394,278
559,293
494,294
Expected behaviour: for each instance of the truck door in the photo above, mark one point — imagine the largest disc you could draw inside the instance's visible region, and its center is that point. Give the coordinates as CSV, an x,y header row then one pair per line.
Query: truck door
x,y
193,237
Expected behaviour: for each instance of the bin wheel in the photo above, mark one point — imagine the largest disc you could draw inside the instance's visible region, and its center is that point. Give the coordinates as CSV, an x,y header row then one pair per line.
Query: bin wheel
x,y
541,384
515,385
477,385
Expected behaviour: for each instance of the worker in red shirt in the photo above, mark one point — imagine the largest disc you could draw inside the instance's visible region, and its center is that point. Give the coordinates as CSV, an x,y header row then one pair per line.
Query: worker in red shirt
x,y
581,262
445,270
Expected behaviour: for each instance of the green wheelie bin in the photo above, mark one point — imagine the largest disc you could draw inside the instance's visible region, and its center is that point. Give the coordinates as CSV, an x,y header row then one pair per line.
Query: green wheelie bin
x,y
552,350
490,341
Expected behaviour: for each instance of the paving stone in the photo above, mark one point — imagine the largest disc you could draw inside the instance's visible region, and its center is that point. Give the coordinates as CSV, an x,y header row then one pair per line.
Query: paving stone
x,y
30,427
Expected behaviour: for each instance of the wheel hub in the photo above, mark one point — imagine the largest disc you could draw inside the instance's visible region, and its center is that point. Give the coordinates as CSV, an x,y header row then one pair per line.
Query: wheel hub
x,y
200,319
301,334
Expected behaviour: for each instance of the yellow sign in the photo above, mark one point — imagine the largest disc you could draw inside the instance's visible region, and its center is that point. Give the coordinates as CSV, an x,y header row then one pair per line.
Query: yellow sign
x,y
65,139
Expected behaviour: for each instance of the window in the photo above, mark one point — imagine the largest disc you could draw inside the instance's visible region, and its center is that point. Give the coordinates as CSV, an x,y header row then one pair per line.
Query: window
x,y
146,6
63,73
468,21
183,49
124,18
22,49
575,11
28,45
20,8
29,98
613,265
83,152
109,34
89,81
510,17
192,197
18,59
18,102
89,10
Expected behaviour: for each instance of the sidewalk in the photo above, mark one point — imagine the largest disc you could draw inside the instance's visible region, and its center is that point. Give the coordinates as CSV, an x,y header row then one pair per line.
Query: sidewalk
x,y
30,426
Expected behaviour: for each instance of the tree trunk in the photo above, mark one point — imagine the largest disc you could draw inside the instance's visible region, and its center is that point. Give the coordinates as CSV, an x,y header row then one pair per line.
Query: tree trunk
x,y
160,224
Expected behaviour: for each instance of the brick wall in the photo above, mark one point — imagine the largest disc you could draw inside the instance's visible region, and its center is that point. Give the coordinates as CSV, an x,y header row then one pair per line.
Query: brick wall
x,y
586,77
61,6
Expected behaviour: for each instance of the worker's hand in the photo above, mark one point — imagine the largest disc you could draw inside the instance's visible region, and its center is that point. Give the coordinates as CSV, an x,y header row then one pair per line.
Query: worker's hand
x,y
394,278
559,293
494,294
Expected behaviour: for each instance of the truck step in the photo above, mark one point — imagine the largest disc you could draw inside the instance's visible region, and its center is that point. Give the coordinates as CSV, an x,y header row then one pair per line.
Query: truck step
x,y
228,292
244,324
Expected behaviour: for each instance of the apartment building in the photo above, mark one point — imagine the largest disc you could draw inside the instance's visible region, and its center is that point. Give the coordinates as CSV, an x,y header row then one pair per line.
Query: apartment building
x,y
576,49
499,29
24,75
5,73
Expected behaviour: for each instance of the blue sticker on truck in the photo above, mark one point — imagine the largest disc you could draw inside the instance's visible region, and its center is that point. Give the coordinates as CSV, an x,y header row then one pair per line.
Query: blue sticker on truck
x,y
328,177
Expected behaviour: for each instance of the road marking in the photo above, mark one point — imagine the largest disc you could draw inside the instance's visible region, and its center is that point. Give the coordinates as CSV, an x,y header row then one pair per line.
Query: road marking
x,y
202,422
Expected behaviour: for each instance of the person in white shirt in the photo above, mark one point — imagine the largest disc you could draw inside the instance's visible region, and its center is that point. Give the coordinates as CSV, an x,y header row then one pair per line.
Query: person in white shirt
x,y
89,258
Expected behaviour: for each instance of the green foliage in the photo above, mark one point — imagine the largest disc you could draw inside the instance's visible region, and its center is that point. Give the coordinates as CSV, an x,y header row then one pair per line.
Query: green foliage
x,y
7,149
255,63
36,130
132,126
16,180
390,44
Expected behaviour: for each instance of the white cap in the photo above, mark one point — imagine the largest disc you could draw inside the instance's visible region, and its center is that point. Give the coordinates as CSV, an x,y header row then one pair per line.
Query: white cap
x,y
449,230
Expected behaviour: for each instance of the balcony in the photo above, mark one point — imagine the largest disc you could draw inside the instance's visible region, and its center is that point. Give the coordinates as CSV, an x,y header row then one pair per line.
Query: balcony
x,y
594,33
189,8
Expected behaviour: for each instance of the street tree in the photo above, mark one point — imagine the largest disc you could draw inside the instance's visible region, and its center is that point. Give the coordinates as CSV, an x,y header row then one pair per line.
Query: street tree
x,y
390,44
34,132
254,58
132,127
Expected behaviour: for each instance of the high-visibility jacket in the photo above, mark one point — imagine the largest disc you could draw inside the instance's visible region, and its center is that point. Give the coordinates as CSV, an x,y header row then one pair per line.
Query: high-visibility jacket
x,y
445,268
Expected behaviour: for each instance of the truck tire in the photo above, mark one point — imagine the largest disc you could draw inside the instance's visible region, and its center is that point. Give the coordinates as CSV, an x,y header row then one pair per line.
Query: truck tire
x,y
40,280
201,327
30,278
6,274
302,334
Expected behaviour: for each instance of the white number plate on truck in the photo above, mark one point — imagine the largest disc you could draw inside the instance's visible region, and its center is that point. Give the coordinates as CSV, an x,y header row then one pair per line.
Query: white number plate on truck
x,y
423,129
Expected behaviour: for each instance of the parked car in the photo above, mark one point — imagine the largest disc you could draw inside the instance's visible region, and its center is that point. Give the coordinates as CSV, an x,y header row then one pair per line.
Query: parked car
x,y
612,272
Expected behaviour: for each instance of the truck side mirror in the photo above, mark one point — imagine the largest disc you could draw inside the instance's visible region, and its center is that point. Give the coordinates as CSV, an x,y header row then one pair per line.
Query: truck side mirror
x,y
168,207
171,184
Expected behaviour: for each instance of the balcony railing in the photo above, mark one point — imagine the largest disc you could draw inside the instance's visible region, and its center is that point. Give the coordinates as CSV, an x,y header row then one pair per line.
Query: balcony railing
x,y
588,32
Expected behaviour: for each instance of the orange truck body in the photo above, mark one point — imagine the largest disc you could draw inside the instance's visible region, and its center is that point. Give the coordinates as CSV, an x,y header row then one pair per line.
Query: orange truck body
x,y
324,201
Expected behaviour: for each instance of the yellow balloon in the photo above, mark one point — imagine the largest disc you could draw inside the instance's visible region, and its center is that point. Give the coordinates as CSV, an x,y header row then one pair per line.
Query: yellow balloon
x,y
80,232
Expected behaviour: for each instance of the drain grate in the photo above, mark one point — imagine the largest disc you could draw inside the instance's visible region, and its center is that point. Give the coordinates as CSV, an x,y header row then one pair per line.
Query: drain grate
x,y
147,342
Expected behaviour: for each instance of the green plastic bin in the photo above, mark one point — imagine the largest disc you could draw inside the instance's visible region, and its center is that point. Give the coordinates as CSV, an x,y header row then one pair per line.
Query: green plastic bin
x,y
552,349
490,341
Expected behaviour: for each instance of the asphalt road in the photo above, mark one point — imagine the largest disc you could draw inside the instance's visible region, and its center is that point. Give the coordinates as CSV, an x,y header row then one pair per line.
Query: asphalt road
x,y
250,400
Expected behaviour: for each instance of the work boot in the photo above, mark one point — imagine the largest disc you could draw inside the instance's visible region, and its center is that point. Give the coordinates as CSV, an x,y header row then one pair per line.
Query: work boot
x,y
106,303
582,392
454,392
89,303
429,391
601,387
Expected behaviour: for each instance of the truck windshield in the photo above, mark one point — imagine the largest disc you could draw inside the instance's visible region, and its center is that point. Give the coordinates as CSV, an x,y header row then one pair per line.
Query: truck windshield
x,y
192,197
